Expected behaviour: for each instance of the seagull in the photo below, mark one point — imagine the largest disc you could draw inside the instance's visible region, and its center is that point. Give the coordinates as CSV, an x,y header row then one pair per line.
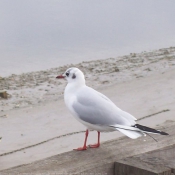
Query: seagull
x,y
96,111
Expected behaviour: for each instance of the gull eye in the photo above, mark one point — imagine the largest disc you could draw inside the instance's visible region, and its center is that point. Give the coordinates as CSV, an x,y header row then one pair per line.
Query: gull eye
x,y
67,74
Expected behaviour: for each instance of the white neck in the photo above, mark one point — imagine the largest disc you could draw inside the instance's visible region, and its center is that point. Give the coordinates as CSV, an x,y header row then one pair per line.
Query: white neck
x,y
70,92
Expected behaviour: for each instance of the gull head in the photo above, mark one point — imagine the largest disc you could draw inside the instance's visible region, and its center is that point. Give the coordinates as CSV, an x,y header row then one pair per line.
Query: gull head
x,y
73,75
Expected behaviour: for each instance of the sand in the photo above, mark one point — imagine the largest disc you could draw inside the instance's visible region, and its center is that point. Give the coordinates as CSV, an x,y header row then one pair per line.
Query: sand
x,y
35,124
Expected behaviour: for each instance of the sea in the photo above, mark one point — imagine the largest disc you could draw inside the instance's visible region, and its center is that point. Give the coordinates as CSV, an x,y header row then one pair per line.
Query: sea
x,y
41,34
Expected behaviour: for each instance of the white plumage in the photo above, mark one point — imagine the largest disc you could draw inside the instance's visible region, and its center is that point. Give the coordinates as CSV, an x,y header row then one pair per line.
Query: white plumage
x,y
96,111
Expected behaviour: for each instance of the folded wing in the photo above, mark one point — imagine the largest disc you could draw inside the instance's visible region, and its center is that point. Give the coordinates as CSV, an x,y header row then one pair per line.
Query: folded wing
x,y
95,108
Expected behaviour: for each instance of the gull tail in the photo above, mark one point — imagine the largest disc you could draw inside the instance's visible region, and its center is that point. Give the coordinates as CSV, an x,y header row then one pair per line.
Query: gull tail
x,y
137,130
131,134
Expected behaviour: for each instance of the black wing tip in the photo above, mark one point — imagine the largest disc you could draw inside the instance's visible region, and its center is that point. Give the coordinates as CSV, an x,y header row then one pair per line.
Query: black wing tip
x,y
163,133
151,130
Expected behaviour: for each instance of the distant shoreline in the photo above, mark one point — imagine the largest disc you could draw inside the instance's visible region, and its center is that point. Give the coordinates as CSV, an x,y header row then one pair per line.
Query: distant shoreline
x,y
76,62
31,88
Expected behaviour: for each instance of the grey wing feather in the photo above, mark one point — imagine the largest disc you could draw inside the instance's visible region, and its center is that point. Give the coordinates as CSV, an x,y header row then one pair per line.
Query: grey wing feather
x,y
95,108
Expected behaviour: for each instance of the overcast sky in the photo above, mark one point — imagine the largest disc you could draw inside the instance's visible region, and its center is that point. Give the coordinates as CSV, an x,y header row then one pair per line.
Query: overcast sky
x,y
84,29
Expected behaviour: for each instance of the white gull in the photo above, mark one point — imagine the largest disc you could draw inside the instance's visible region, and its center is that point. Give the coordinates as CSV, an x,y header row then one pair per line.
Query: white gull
x,y
96,111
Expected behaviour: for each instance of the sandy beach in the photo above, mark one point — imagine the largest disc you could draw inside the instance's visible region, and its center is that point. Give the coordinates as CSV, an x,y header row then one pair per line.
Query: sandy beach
x,y
35,124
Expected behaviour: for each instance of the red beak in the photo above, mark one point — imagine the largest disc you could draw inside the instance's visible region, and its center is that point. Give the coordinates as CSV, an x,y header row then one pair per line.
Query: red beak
x,y
60,76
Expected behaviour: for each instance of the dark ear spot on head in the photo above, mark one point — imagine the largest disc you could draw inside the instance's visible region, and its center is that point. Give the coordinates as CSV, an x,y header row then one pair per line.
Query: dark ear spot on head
x,y
73,76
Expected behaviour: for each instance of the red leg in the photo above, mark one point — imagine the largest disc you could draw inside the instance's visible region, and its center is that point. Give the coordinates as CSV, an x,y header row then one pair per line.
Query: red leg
x,y
98,144
84,146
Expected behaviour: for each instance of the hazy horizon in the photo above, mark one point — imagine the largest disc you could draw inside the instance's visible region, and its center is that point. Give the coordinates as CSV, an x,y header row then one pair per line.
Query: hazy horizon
x,y
40,34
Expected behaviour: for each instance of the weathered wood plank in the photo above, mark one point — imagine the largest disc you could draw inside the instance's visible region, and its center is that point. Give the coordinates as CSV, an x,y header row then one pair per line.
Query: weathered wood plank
x,y
158,162
133,166
97,160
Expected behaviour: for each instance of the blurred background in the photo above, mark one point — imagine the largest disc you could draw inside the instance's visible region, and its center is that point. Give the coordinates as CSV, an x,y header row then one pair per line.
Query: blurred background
x,y
41,34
